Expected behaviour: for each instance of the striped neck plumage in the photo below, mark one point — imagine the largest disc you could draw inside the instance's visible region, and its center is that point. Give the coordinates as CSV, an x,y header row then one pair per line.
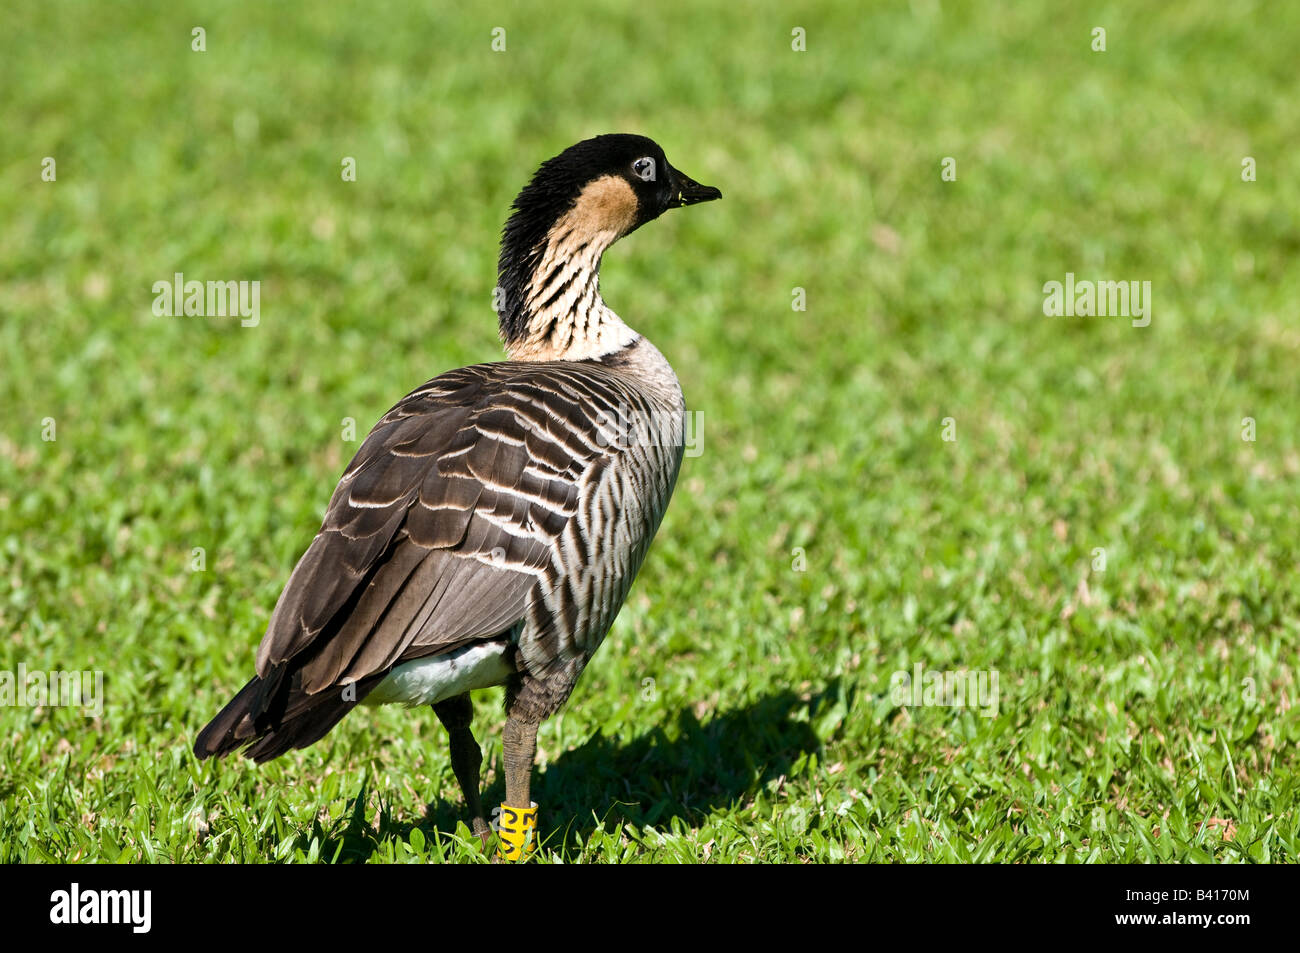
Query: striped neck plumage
x,y
549,277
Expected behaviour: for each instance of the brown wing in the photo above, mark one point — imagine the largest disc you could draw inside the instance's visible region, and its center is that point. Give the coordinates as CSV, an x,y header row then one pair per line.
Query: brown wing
x,y
437,533
454,522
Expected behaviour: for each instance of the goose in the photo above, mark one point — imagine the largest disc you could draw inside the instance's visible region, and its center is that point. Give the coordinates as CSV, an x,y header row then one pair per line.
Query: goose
x,y
489,528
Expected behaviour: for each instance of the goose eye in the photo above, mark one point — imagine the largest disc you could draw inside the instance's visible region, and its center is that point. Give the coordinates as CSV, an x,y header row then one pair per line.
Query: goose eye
x,y
644,169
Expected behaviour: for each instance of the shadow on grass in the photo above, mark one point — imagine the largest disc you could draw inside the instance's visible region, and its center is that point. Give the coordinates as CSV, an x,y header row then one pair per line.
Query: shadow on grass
x,y
682,770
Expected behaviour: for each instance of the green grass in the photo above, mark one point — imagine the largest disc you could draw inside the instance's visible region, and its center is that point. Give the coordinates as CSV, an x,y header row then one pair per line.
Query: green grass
x,y
1147,711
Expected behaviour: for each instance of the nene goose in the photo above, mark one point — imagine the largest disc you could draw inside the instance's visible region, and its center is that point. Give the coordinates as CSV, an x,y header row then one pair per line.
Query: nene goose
x,y
490,526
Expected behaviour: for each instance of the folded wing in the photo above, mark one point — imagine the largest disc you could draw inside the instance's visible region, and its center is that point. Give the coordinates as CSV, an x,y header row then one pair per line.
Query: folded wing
x,y
439,533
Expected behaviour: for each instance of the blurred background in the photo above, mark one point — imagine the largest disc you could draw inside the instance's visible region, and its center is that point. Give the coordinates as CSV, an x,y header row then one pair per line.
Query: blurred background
x,y
919,466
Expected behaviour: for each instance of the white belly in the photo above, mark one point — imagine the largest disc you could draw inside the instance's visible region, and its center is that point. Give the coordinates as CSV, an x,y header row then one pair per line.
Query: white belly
x,y
428,681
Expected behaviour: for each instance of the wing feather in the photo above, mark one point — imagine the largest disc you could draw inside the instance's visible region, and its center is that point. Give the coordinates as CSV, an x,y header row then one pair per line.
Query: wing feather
x,y
440,530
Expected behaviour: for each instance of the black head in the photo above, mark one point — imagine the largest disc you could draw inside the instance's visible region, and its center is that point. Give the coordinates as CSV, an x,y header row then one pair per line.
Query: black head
x,y
634,161
590,195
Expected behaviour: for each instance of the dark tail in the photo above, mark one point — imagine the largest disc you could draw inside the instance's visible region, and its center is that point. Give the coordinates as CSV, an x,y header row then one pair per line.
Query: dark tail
x,y
272,715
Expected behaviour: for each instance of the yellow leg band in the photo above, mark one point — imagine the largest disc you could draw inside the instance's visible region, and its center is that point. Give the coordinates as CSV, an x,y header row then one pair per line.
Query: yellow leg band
x,y
518,830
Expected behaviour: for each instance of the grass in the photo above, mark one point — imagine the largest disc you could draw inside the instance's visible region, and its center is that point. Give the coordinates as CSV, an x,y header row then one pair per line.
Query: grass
x,y
827,537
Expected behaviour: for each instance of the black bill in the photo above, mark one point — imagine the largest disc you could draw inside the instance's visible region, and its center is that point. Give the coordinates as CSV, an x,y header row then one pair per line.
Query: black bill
x,y
690,192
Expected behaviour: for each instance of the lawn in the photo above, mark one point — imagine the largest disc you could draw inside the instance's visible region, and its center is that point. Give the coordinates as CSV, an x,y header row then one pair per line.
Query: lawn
x,y
906,466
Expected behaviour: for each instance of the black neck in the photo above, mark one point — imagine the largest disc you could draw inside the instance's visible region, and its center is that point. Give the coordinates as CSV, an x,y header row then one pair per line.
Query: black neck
x,y
523,247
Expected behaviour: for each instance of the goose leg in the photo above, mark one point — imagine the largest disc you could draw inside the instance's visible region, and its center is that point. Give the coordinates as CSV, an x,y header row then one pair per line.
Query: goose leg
x,y
457,715
518,813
